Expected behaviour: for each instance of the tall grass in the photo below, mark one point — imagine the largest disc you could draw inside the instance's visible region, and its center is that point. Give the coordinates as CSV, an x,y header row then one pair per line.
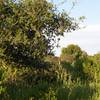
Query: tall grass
x,y
22,84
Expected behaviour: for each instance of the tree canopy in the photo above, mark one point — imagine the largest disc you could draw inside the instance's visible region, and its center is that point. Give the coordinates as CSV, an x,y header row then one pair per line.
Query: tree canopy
x,y
72,49
29,30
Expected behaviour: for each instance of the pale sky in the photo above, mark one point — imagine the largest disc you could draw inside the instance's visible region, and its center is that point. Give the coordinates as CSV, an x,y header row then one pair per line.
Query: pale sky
x,y
87,38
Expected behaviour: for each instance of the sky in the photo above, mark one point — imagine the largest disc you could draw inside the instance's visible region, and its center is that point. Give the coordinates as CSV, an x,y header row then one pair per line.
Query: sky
x,y
87,38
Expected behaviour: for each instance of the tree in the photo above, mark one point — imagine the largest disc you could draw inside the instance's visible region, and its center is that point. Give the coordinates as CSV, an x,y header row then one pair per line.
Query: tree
x,y
72,49
76,57
30,28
